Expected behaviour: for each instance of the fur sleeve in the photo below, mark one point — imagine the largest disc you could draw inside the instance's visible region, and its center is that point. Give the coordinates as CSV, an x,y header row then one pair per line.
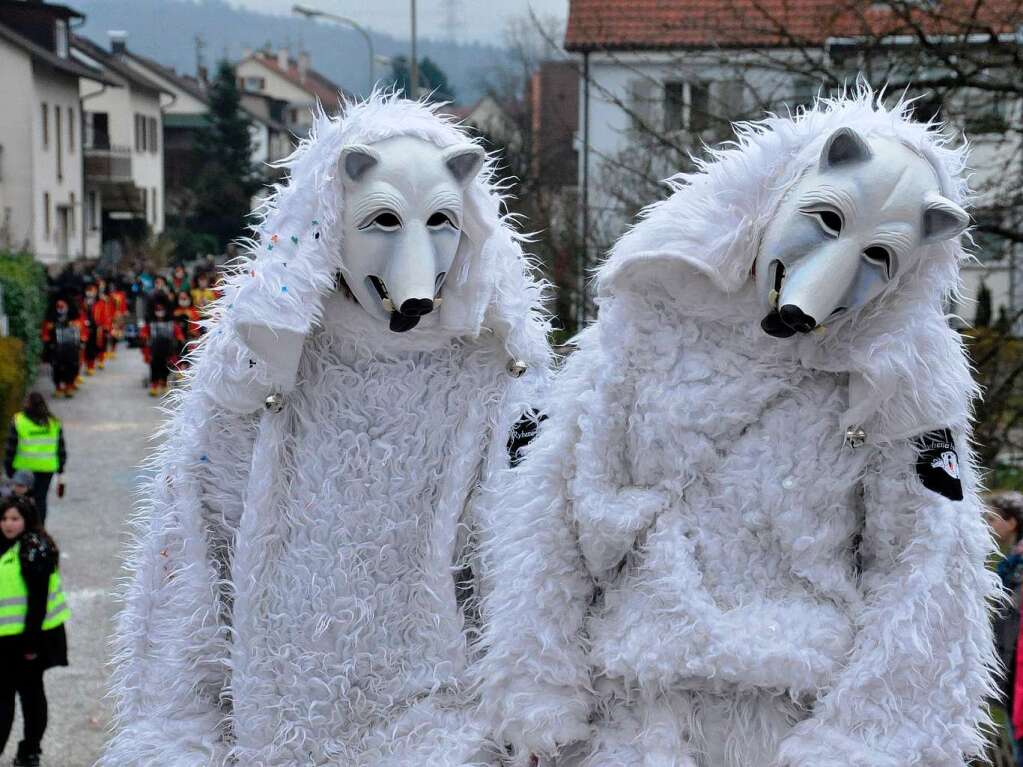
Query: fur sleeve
x,y
170,679
912,692
534,674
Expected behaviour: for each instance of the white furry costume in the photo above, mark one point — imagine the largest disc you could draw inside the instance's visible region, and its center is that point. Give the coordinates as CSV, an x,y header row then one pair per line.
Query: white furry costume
x,y
690,568
293,600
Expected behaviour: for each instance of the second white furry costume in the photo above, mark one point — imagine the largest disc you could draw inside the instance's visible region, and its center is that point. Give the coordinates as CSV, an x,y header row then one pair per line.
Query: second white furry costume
x,y
695,566
294,598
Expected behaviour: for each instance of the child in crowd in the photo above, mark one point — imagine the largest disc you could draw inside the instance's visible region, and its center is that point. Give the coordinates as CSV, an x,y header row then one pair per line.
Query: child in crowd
x,y
162,339
187,317
62,343
95,320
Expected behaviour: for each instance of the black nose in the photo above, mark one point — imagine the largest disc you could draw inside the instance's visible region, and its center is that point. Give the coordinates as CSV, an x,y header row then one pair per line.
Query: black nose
x,y
796,319
416,307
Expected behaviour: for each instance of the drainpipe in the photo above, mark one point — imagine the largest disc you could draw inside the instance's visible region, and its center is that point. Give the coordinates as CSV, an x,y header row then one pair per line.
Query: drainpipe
x,y
581,315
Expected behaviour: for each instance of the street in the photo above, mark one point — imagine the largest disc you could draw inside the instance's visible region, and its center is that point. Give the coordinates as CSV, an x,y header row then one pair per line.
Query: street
x,y
107,427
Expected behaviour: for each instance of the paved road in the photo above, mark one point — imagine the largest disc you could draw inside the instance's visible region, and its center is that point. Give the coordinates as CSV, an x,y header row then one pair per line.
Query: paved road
x,y
107,427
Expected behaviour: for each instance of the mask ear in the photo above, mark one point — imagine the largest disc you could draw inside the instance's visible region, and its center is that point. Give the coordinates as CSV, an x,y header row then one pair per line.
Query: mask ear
x,y
844,147
464,161
356,160
943,219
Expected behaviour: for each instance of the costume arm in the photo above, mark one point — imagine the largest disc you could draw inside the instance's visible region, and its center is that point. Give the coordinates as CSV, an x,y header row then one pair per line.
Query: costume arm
x,y
534,675
172,644
913,690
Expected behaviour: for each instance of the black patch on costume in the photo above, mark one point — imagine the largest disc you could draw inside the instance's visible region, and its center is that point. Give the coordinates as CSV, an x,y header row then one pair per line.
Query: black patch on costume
x,y
937,464
522,433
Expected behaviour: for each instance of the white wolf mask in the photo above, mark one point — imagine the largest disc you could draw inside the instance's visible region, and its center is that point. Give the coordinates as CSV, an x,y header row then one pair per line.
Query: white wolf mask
x,y
847,229
402,223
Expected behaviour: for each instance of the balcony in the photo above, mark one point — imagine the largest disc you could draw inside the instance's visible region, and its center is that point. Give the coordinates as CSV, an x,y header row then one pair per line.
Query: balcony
x,y
107,164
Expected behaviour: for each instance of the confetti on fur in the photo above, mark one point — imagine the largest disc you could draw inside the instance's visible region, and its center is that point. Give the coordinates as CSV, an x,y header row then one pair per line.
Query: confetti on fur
x,y
689,569
306,611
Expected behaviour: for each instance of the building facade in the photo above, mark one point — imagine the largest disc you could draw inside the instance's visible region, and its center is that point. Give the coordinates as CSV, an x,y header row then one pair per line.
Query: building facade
x,y
42,206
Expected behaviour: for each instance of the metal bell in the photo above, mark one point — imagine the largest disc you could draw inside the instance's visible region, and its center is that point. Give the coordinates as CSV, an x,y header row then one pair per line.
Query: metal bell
x,y
855,437
517,368
275,402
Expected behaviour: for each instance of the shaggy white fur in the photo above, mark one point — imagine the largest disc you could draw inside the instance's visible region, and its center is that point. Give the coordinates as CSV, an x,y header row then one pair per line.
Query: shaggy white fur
x,y
293,596
690,568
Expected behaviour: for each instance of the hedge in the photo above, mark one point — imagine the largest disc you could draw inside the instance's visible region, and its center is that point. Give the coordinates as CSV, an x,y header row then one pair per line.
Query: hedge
x,y
24,284
12,381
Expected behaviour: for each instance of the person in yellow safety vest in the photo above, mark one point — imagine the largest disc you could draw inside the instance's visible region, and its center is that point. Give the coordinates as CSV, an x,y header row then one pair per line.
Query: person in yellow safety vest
x,y
35,443
33,611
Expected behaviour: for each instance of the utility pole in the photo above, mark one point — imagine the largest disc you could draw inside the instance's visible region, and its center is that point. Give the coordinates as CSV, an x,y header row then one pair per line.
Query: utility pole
x,y
414,64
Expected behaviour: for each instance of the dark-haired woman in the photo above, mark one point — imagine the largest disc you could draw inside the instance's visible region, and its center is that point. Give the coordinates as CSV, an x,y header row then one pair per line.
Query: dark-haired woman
x,y
35,443
33,612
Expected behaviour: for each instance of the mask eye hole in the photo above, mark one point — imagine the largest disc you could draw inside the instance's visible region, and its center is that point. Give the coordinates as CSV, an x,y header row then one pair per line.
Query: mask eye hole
x,y
440,219
829,219
880,256
388,221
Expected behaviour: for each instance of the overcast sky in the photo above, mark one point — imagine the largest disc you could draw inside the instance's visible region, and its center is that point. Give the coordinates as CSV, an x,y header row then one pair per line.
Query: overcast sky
x,y
480,20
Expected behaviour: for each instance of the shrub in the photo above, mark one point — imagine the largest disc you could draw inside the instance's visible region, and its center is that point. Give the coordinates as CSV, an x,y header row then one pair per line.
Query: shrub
x,y
12,380
24,284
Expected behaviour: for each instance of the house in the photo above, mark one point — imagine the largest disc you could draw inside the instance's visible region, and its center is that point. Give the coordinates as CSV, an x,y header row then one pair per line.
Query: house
x,y
291,80
122,136
41,158
184,116
658,79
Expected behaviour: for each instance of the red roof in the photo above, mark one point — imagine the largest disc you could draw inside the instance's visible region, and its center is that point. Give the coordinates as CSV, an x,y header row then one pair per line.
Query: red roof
x,y
312,82
652,24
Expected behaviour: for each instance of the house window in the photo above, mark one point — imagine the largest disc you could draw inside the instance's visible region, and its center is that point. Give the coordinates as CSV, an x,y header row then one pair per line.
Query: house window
x,y
686,106
156,216
140,133
71,130
57,133
151,134
46,126
46,215
60,38
71,213
91,211
144,201
254,83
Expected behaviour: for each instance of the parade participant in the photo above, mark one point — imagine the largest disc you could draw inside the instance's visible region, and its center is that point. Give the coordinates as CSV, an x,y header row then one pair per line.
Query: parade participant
x,y
179,280
109,308
33,611
94,322
35,443
202,294
62,345
161,342
188,317
302,592
748,532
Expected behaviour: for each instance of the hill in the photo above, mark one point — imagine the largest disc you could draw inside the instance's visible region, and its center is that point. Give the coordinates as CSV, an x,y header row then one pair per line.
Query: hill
x,y
166,30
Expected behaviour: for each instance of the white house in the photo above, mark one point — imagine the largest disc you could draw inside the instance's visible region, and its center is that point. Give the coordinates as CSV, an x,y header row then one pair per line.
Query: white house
x,y
41,159
288,79
123,127
184,114
659,78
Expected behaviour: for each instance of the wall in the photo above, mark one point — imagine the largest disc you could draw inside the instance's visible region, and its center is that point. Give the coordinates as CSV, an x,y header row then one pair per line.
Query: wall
x,y
17,192
56,89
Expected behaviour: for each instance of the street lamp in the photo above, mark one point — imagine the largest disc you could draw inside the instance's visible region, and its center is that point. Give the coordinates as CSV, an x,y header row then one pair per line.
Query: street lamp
x,y
313,13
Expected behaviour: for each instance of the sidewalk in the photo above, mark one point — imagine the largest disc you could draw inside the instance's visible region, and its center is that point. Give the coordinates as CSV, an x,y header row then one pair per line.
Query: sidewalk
x,y
107,428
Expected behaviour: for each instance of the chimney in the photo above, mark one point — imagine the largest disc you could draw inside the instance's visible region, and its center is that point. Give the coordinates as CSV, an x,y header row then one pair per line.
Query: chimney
x,y
282,59
303,65
117,40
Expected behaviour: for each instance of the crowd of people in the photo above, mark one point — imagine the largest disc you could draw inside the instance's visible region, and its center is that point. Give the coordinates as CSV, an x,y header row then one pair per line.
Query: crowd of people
x,y
90,314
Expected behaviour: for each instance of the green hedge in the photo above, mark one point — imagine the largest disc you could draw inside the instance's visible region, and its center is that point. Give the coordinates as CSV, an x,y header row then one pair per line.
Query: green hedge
x,y
12,381
24,283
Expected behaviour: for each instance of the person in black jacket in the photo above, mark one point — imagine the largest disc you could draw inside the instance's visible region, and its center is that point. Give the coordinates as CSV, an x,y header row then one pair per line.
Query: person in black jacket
x,y
25,655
